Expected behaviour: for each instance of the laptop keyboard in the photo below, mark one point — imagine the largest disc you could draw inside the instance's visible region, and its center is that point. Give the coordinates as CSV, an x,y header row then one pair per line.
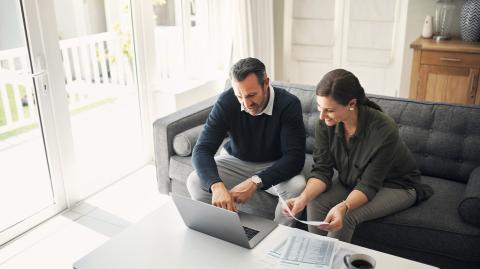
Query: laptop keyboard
x,y
250,232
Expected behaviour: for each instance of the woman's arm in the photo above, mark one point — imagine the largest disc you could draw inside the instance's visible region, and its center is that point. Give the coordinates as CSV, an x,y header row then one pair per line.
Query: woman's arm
x,y
313,188
335,216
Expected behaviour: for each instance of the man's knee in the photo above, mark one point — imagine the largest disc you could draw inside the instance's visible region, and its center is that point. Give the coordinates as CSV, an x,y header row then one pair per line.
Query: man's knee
x,y
292,187
298,184
194,186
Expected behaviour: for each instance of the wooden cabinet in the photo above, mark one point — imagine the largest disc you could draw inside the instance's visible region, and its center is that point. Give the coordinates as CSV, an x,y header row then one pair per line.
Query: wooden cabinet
x,y
445,71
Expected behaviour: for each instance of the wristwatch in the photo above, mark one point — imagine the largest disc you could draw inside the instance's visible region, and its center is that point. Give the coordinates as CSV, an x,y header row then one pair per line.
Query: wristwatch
x,y
257,180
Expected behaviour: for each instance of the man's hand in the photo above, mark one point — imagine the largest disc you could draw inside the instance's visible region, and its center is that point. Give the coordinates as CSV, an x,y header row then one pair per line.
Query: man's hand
x,y
296,205
334,218
221,197
243,191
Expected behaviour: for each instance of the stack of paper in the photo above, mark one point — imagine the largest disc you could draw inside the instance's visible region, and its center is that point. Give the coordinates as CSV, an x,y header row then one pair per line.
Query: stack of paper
x,y
305,250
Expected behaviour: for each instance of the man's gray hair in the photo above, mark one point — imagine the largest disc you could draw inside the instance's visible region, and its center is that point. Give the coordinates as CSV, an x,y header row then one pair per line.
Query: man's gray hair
x,y
244,67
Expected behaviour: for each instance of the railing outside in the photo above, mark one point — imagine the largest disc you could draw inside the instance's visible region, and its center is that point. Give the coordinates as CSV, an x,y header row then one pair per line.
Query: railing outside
x,y
94,66
15,90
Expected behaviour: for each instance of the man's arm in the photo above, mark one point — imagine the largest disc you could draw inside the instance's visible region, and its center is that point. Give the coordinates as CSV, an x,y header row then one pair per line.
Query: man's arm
x,y
292,138
207,145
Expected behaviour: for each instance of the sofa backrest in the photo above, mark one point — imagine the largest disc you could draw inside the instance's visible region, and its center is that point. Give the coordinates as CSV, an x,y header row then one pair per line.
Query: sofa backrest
x,y
444,138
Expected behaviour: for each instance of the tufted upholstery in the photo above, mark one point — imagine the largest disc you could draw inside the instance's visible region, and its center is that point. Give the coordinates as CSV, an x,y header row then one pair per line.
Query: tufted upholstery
x,y
445,140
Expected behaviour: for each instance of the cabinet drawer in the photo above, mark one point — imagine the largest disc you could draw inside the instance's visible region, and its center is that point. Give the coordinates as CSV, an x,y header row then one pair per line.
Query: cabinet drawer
x,y
450,58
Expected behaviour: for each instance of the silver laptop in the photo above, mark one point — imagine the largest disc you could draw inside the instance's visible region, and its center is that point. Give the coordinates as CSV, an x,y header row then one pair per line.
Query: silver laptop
x,y
242,229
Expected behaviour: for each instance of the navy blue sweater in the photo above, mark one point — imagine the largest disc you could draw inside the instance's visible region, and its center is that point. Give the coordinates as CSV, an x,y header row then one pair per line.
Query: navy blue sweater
x,y
264,138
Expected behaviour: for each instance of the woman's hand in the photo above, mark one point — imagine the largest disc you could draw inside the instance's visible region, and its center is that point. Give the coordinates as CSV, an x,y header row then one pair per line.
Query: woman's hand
x,y
296,205
334,218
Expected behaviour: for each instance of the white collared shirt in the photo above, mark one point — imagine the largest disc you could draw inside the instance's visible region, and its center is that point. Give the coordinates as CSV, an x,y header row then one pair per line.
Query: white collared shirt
x,y
269,108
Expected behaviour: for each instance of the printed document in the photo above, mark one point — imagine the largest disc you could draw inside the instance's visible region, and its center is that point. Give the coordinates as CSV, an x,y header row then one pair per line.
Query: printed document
x,y
308,252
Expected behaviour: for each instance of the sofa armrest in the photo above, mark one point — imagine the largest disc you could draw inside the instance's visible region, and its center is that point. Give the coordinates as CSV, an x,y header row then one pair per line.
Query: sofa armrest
x,y
165,129
469,207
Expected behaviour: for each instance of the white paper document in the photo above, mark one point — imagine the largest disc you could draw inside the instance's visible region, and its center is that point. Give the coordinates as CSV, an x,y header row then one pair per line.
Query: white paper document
x,y
307,252
271,259
313,223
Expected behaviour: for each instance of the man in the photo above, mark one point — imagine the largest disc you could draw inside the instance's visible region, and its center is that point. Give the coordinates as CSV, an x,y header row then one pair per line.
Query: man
x,y
266,151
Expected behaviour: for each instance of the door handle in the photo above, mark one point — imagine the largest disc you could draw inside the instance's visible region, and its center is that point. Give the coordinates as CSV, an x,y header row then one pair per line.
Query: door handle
x,y
41,74
42,79
450,59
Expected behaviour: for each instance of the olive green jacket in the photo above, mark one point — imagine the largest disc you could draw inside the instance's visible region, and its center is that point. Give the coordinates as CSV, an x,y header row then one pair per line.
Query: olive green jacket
x,y
374,157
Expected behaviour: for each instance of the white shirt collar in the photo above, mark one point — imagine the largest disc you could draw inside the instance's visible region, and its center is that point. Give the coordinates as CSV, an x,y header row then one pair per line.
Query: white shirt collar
x,y
269,108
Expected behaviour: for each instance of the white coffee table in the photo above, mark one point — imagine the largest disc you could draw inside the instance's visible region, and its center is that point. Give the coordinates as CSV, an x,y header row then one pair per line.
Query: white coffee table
x,y
161,240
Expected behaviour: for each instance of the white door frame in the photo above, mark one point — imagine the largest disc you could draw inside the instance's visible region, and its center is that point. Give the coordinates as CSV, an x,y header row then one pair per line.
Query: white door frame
x,y
47,75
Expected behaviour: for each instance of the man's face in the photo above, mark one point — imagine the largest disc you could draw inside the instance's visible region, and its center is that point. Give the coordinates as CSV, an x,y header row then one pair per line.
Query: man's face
x,y
251,94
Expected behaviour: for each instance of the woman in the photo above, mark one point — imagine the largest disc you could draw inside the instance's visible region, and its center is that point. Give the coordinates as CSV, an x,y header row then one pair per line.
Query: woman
x,y
377,174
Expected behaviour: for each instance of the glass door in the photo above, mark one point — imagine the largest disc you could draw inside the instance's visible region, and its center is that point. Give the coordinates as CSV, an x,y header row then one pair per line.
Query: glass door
x,y
30,186
70,117
95,38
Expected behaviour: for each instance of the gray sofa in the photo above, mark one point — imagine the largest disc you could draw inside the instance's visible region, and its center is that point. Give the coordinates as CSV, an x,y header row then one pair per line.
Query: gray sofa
x,y
445,139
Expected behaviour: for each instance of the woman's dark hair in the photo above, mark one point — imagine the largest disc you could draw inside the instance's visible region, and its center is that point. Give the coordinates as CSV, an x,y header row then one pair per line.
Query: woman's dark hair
x,y
343,86
244,67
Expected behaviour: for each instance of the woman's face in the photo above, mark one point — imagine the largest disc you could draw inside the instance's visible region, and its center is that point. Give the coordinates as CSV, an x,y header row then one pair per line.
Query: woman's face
x,y
332,112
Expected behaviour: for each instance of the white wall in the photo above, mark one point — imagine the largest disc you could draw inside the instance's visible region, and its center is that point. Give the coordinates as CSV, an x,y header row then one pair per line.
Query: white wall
x,y
65,14
78,18
11,26
278,13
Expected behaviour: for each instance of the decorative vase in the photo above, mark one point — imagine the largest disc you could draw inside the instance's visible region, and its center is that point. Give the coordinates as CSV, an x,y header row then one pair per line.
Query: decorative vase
x,y
470,21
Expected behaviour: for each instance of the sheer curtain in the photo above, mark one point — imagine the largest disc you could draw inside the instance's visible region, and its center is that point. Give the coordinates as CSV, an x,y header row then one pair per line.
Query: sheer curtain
x,y
253,32
220,33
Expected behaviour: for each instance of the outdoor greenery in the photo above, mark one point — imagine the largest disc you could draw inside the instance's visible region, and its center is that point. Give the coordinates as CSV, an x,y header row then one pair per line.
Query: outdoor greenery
x,y
18,131
12,105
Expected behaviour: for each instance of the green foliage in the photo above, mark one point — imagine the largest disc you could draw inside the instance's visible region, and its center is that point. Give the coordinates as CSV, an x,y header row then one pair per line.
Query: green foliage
x,y
12,106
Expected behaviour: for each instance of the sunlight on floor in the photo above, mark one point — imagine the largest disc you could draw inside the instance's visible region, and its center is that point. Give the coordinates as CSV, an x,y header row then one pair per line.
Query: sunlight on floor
x,y
59,242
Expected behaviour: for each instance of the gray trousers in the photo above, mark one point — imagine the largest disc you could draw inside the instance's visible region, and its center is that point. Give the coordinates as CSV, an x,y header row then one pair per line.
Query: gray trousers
x,y
387,201
233,171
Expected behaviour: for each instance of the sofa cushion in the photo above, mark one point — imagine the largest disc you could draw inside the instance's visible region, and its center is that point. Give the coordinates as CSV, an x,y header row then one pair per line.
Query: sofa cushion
x,y
444,138
469,207
434,226
306,95
307,167
184,142
180,168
